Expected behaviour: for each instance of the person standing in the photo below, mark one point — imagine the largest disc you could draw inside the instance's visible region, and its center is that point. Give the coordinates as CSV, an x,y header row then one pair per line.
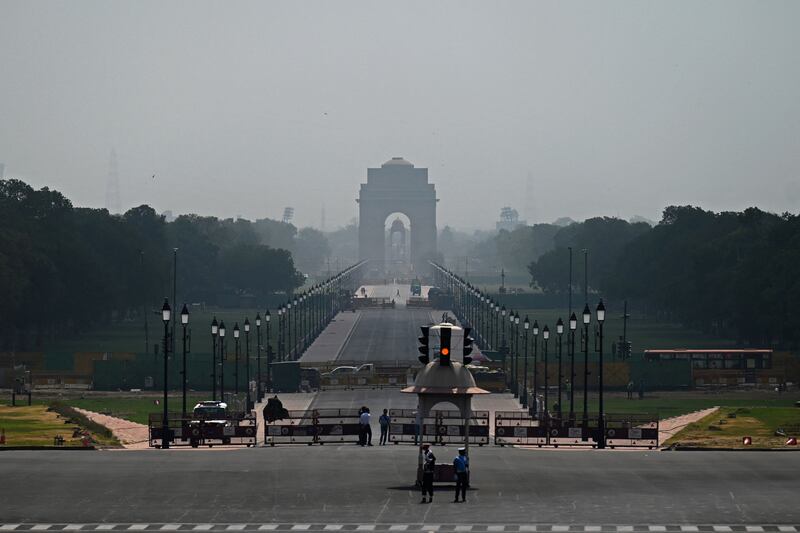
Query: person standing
x,y
366,430
428,467
461,464
384,421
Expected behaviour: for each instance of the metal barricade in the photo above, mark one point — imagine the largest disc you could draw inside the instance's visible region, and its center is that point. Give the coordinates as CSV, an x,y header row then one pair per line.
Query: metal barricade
x,y
337,425
572,432
516,427
314,426
442,427
631,430
239,429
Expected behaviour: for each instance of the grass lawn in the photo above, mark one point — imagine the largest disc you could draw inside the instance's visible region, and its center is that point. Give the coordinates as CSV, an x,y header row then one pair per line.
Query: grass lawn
x,y
36,426
667,404
643,333
133,408
727,427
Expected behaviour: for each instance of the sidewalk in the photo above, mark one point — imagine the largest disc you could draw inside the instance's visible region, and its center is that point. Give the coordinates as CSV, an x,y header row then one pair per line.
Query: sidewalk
x,y
333,338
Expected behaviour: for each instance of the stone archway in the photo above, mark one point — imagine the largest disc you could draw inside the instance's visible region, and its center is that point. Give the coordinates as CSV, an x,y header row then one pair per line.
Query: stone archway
x,y
397,186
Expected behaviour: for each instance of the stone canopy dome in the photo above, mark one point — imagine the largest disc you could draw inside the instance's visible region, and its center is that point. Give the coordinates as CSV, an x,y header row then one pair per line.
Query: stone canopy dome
x,y
438,379
397,161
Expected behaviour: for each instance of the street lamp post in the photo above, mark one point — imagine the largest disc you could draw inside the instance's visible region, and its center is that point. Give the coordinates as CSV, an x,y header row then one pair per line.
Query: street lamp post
x,y
267,318
601,422
236,358
184,323
214,333
503,346
221,331
573,325
295,338
587,317
526,326
247,361
546,337
560,333
166,313
280,333
258,357
516,355
535,365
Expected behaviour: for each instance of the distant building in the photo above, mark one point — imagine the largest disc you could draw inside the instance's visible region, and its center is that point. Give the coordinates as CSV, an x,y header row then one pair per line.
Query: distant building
x,y
509,220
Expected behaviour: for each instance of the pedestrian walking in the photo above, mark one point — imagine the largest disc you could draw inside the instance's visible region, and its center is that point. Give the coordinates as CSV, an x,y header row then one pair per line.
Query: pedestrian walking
x,y
428,467
366,430
384,420
630,390
461,464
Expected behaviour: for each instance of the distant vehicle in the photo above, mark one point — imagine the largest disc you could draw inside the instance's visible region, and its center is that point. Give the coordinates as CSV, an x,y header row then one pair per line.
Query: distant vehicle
x,y
340,371
309,379
416,288
209,413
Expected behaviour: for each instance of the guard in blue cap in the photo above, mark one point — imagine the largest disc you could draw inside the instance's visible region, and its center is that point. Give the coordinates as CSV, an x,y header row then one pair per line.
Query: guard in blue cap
x,y
461,464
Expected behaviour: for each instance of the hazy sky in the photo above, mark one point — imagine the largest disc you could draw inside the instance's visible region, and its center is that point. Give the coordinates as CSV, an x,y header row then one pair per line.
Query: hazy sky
x,y
615,108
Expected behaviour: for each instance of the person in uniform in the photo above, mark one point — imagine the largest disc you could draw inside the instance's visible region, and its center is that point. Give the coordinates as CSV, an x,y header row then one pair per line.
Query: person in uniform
x,y
384,420
428,467
461,464
366,430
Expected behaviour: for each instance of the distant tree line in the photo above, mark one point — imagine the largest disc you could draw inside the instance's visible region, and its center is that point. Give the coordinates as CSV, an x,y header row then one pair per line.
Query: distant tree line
x,y
64,269
735,274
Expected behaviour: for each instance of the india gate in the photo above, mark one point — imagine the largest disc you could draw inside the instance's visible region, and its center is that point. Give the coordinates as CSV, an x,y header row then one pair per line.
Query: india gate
x,y
397,187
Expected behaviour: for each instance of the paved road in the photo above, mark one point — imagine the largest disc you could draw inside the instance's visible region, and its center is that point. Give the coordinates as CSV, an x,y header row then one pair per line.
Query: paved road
x,y
348,484
386,335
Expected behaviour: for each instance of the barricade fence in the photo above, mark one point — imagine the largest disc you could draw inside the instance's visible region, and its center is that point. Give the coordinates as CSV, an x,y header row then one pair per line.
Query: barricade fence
x,y
234,429
441,427
373,381
627,430
314,426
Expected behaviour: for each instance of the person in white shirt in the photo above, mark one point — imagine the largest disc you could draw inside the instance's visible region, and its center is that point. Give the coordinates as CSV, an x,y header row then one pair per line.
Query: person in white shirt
x,y
366,430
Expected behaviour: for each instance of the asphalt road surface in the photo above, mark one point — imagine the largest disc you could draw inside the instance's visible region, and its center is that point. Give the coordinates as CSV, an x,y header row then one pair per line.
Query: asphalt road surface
x,y
349,484
386,335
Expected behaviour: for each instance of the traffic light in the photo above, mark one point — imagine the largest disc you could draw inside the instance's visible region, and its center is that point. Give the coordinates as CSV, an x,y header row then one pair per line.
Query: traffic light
x,y
424,348
444,346
628,349
467,345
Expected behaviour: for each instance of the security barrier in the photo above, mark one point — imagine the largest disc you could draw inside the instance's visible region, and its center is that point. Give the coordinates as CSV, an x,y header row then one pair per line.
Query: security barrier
x,y
377,380
235,429
314,426
515,427
373,302
628,430
442,427
631,431
417,301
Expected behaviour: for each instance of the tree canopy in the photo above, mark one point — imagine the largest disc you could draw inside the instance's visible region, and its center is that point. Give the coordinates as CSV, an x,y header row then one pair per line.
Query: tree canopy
x,y
64,268
734,273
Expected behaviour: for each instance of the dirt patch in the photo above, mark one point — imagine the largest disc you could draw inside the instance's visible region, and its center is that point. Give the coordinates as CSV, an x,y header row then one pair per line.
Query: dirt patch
x,y
130,434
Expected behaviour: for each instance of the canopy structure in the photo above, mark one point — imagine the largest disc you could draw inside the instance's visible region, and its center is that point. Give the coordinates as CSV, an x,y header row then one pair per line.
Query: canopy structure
x,y
437,383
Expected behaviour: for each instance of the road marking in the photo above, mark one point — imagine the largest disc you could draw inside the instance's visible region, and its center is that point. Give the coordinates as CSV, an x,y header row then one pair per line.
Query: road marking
x,y
417,527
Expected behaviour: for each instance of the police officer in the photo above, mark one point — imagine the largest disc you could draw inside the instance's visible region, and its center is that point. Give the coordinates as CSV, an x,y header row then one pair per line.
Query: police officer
x,y
428,467
461,464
